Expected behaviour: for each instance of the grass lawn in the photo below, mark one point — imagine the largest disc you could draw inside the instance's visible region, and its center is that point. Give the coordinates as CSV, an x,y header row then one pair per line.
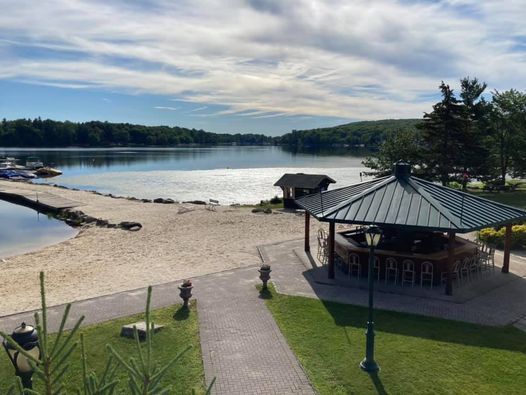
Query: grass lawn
x,y
515,198
417,354
174,337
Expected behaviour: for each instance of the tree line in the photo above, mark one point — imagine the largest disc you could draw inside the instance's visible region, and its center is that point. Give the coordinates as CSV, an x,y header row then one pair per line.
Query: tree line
x,y
365,134
49,133
463,137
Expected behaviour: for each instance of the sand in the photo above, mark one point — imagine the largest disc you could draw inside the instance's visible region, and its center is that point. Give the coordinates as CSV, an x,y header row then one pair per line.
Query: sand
x,y
177,241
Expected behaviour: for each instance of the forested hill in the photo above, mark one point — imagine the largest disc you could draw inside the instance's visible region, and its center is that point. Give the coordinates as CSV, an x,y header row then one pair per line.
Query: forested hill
x,y
356,134
48,133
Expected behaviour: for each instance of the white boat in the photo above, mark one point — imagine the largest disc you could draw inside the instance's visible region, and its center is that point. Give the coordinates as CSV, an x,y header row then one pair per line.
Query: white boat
x,y
10,163
32,162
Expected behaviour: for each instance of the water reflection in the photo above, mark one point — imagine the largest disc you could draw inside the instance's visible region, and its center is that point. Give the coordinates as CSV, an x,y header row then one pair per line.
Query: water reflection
x,y
23,230
234,173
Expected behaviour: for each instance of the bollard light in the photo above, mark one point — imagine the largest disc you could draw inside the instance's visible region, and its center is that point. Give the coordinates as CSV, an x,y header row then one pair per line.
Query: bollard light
x,y
26,337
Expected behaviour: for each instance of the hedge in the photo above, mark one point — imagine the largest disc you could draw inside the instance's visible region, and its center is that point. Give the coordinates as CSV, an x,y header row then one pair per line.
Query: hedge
x,y
496,236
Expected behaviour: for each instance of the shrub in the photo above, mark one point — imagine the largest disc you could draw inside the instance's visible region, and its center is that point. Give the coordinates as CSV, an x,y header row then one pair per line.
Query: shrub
x,y
497,236
276,200
455,185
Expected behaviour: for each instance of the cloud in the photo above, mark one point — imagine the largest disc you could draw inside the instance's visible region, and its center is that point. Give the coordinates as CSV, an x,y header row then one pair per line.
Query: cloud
x,y
352,60
166,108
198,109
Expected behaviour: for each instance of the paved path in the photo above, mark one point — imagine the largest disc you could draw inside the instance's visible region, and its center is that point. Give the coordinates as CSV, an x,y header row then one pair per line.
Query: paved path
x,y
502,305
241,343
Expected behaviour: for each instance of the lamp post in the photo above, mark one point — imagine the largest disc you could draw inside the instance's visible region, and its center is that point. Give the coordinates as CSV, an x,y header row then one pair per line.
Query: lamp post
x,y
26,337
373,234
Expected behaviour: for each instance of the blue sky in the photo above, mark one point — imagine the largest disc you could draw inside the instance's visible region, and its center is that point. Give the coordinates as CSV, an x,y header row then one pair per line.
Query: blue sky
x,y
263,66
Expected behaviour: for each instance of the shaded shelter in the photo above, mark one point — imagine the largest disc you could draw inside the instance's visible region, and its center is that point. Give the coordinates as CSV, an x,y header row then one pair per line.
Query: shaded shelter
x,y
405,202
297,185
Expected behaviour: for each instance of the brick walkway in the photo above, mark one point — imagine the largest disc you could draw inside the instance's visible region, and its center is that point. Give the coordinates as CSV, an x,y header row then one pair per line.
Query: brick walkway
x,y
241,343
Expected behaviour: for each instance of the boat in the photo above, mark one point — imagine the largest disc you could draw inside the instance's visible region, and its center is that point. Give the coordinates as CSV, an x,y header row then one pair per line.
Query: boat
x,y
8,163
47,172
14,174
33,163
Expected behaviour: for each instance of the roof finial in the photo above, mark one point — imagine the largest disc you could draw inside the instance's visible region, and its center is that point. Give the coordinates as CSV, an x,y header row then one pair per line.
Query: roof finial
x,y
402,169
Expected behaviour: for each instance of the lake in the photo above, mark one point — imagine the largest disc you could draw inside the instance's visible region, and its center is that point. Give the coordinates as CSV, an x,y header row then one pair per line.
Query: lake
x,y
229,174
24,230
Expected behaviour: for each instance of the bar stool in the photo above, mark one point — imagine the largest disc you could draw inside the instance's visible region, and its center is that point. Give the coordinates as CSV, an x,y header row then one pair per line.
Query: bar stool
x,y
408,272
464,270
455,274
473,267
376,268
391,266
353,261
491,258
426,273
322,254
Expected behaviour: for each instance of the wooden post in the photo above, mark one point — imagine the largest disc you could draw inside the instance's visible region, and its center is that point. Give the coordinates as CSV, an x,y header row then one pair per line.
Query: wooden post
x,y
507,248
450,259
307,231
330,265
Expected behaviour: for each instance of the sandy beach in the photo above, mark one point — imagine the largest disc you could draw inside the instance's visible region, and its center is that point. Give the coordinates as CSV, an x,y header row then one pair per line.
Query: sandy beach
x,y
177,241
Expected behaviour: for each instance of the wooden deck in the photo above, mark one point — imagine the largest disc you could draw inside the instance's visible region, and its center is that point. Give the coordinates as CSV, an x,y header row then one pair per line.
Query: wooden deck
x,y
37,200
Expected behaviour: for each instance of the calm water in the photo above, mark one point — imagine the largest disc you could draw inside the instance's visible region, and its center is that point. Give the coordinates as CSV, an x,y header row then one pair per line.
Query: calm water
x,y
23,230
229,174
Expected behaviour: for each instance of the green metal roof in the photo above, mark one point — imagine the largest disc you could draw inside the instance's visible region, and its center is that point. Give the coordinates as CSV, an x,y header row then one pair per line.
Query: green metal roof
x,y
402,200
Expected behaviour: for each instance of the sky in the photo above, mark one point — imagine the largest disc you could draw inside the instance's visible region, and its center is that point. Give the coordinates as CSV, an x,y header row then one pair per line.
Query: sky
x,y
261,66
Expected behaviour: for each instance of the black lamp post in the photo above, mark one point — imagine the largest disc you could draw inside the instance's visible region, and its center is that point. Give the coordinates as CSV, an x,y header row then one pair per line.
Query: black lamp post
x,y
373,234
26,337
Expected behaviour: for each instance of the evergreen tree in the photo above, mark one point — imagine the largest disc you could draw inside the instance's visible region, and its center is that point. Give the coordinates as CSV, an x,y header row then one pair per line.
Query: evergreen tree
x,y
405,145
474,140
442,133
508,122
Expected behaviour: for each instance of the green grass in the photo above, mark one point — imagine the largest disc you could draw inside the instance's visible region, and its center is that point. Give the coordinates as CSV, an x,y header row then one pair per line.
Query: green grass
x,y
515,198
417,354
179,332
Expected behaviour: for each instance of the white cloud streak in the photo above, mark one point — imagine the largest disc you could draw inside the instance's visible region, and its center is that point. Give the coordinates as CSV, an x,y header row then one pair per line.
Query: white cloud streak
x,y
166,108
268,58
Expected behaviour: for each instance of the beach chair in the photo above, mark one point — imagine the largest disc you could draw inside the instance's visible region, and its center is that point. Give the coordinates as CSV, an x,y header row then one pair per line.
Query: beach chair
x,y
212,204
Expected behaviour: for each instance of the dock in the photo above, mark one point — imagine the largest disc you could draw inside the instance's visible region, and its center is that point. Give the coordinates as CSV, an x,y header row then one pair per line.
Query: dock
x,y
43,201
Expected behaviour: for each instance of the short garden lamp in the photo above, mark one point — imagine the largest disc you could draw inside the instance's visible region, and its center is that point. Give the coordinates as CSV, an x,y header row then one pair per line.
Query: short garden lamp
x,y
26,337
373,235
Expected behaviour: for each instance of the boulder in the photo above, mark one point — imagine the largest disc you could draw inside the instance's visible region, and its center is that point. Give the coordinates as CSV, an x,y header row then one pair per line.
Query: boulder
x,y
131,226
200,202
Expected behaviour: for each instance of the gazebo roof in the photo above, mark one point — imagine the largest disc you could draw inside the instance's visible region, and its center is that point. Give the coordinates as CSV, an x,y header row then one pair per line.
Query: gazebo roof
x,y
302,180
402,200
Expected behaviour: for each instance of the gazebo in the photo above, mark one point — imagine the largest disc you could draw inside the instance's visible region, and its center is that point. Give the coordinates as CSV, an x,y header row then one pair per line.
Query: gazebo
x,y
297,185
404,202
